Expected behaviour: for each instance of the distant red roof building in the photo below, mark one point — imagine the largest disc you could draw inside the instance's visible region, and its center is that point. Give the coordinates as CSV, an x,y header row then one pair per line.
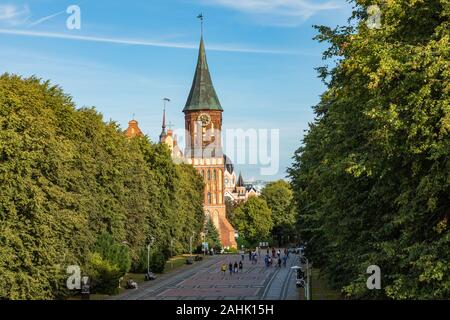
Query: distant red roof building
x,y
133,130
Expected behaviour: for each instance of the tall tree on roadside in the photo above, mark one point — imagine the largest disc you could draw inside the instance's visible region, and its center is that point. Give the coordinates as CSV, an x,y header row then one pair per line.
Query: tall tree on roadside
x,y
253,220
372,180
66,177
279,198
212,235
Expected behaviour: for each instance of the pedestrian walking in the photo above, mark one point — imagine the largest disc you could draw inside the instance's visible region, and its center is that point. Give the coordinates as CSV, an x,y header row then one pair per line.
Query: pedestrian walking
x,y
241,266
224,269
279,262
235,267
230,267
250,255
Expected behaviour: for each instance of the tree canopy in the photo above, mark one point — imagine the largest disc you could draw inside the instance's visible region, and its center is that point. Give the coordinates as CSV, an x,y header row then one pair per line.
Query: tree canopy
x,y
372,179
253,219
279,198
67,177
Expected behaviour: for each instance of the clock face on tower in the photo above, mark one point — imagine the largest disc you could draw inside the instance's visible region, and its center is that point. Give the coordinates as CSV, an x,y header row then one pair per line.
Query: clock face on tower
x,y
205,119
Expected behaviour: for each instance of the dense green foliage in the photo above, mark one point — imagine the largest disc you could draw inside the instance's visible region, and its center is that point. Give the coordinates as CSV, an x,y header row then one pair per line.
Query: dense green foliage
x,y
212,235
372,181
67,177
108,263
253,220
279,198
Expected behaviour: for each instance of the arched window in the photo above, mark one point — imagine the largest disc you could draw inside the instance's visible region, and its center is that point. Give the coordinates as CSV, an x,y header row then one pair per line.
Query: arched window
x,y
209,198
209,174
214,175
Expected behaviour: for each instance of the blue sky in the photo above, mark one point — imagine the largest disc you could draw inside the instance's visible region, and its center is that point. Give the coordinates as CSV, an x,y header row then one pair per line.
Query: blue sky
x,y
129,55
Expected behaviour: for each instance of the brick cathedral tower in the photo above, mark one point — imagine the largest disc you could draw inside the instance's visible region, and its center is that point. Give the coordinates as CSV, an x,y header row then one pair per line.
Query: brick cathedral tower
x,y
203,122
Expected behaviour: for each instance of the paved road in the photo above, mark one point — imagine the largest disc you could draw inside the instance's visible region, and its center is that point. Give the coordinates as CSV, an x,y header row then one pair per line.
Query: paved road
x,y
204,281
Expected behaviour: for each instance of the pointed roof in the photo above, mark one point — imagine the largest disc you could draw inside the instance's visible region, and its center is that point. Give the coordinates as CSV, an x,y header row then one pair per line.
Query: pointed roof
x,y
228,164
163,132
240,182
203,95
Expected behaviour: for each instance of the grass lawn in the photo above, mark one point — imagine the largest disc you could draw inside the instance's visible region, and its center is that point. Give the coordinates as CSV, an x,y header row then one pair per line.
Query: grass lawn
x,y
321,290
176,262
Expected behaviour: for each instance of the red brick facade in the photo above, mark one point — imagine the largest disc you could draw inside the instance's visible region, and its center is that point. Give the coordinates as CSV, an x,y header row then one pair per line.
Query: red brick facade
x,y
204,152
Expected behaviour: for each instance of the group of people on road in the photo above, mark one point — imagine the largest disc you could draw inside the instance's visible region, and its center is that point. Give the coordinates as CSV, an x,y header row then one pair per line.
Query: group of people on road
x,y
276,255
253,256
232,268
273,257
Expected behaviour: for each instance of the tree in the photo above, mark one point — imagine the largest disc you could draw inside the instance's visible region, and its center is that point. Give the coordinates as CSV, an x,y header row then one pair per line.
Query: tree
x,y
253,220
66,176
230,207
109,262
212,235
371,180
279,198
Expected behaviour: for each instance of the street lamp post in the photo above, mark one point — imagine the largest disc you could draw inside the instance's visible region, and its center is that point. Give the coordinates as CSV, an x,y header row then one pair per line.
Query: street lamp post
x,y
190,244
171,253
308,279
148,259
203,244
148,255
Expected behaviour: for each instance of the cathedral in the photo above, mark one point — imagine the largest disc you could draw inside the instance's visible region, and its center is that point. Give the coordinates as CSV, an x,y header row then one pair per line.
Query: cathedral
x,y
203,150
236,190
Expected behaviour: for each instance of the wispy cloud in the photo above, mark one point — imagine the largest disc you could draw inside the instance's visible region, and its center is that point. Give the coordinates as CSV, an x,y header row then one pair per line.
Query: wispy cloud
x,y
42,20
51,16
14,15
289,12
137,42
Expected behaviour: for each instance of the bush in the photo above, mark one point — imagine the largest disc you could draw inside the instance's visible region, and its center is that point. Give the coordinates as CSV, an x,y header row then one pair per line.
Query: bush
x,y
115,253
157,261
104,276
107,264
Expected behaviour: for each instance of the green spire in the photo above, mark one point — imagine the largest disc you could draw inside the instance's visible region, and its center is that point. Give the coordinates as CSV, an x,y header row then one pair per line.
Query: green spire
x,y
202,95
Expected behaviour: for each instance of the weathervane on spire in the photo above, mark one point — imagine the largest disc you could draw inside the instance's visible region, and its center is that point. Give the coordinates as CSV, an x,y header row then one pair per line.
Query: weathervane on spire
x,y
201,17
164,117
163,132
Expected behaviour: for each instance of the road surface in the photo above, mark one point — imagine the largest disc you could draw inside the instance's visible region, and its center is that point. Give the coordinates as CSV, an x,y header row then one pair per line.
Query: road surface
x,y
205,281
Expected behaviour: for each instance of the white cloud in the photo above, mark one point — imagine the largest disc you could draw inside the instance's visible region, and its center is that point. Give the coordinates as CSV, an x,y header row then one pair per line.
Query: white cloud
x,y
14,15
292,12
46,18
137,42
